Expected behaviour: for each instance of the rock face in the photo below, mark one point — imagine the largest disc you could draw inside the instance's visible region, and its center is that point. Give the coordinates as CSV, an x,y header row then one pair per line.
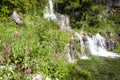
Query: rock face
x,y
118,37
16,17
110,2
111,45
90,45
62,20
116,3
70,54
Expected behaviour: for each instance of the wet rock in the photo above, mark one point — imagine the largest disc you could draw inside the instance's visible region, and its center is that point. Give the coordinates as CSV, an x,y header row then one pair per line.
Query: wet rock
x,y
111,45
17,18
116,3
69,50
118,37
64,27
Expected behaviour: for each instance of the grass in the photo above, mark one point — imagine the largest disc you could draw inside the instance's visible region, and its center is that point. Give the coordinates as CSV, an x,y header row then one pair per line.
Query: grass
x,y
102,68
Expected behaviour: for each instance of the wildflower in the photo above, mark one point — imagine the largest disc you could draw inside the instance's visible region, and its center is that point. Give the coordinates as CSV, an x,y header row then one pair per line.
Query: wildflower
x,y
58,56
16,34
8,49
27,48
27,71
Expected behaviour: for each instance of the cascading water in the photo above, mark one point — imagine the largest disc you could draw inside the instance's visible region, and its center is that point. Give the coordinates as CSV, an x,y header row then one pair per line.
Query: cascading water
x,y
96,46
51,7
99,41
49,12
80,36
62,20
69,54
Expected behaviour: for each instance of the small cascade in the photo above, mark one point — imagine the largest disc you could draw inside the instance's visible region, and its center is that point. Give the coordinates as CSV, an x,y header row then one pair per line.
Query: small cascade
x,y
63,21
69,53
97,46
51,7
49,12
83,55
99,41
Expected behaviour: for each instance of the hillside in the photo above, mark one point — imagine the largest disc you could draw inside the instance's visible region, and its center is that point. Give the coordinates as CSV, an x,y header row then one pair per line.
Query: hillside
x,y
59,40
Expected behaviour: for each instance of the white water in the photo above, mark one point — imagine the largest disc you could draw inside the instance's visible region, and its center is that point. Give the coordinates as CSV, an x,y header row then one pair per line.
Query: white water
x,y
49,12
62,20
80,36
99,41
96,46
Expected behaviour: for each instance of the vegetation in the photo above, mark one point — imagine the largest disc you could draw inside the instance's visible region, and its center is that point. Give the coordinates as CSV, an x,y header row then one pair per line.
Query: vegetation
x,y
32,47
93,15
24,6
101,68
37,46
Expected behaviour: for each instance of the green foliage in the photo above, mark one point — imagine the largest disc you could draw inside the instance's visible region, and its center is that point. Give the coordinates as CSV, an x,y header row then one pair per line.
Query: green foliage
x,y
101,68
24,6
76,73
117,50
116,20
37,45
90,14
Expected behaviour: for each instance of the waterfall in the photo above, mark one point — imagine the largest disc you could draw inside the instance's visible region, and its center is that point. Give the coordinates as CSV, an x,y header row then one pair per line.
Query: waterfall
x,y
51,7
97,46
99,41
64,20
61,19
49,11
69,53
83,55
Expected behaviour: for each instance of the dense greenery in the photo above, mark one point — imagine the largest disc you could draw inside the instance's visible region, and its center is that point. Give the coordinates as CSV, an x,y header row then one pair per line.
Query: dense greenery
x,y
33,47
24,6
93,15
102,68
37,46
